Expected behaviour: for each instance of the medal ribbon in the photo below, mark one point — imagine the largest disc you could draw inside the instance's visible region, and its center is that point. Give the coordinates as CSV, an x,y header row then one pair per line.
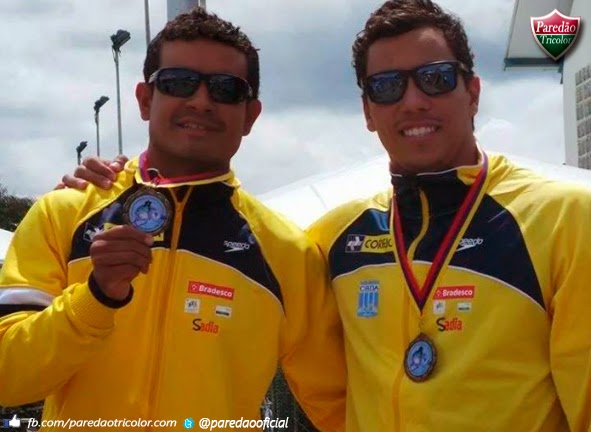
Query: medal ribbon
x,y
422,293
144,167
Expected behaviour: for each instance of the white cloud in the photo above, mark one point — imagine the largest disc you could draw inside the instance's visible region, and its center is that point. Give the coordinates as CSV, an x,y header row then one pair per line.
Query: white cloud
x,y
524,117
58,62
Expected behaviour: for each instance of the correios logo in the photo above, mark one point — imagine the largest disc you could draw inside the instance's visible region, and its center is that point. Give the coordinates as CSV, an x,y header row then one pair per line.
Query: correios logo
x,y
555,33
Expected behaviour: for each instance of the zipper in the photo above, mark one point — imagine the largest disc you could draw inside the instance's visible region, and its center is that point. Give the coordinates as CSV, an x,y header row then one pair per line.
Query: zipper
x,y
424,226
179,207
406,306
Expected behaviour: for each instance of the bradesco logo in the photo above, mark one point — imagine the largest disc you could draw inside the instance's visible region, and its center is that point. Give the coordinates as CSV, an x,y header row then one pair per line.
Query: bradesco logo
x,y
369,244
454,292
208,289
555,33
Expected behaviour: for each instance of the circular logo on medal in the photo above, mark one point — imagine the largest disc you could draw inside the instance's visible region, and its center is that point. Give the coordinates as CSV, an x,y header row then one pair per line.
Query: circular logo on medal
x,y
148,211
420,359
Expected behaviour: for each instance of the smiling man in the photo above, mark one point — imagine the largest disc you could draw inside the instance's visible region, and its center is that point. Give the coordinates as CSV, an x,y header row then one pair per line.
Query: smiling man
x,y
174,294
463,289
476,314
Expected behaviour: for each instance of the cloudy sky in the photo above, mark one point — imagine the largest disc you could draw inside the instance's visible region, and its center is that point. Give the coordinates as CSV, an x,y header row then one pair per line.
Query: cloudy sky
x,y
57,61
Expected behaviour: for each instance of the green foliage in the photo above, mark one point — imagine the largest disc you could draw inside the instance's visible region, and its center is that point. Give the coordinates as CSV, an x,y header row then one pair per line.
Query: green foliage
x,y
12,209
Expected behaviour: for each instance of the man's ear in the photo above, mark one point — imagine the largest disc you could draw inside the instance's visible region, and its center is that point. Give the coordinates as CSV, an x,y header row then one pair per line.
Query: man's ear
x,y
143,94
474,91
253,110
368,120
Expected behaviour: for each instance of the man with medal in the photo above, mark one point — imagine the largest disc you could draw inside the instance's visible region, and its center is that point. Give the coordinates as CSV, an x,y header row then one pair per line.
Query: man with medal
x,y
174,294
479,270
463,288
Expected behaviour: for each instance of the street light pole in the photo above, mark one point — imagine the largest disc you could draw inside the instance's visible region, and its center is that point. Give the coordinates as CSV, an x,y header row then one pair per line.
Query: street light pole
x,y
177,7
147,14
119,39
98,138
118,104
79,149
97,107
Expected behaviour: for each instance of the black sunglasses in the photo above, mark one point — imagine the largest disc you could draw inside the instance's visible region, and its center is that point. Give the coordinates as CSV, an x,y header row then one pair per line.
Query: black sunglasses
x,y
183,83
434,79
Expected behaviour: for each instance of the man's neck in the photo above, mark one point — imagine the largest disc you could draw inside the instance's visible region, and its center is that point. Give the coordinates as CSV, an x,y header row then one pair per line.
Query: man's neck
x,y
173,167
467,156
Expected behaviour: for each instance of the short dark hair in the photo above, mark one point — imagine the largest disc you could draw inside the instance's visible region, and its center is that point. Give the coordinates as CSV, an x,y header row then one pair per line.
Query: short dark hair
x,y
199,24
396,17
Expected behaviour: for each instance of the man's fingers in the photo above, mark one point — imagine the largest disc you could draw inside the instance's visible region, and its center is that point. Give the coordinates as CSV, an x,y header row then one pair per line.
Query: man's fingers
x,y
116,273
113,259
118,163
100,246
98,179
72,182
99,167
125,232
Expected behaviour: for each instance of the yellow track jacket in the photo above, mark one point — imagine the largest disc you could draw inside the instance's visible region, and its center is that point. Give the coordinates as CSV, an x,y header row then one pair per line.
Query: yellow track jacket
x,y
232,290
509,314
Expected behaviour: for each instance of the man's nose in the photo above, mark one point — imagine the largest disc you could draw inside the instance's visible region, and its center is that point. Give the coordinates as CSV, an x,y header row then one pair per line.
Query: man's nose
x,y
414,99
201,99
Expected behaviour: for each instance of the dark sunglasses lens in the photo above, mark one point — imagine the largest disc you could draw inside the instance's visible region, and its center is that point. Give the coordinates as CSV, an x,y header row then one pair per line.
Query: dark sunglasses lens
x,y
385,88
437,79
228,89
178,83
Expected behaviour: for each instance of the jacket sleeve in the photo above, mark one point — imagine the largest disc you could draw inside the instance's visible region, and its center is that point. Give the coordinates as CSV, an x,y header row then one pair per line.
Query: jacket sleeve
x,y
47,328
313,358
570,311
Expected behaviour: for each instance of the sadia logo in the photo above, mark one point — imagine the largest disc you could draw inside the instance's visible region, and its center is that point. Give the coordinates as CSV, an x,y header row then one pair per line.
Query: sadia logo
x,y
445,325
555,33
209,327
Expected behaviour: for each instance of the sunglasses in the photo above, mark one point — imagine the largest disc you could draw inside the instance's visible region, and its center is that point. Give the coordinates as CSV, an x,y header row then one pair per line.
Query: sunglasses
x,y
433,79
183,83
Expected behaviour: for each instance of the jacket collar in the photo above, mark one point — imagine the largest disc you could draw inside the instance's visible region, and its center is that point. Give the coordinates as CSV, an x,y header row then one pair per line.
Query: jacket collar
x,y
143,174
445,190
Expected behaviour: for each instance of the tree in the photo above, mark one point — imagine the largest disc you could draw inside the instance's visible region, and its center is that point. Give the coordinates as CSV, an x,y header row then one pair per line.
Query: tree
x,y
12,209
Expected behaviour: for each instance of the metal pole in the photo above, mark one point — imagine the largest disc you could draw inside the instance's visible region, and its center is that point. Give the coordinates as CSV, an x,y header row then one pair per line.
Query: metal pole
x,y
98,140
177,7
116,52
147,13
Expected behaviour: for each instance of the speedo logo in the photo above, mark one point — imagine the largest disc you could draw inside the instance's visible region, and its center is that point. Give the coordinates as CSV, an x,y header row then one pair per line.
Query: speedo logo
x,y
369,244
468,243
236,246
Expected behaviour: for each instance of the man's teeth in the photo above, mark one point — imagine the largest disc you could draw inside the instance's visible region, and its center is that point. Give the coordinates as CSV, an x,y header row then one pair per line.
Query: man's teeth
x,y
419,131
192,126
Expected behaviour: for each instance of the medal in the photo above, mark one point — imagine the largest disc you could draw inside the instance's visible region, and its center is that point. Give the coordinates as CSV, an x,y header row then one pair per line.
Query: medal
x,y
148,211
420,358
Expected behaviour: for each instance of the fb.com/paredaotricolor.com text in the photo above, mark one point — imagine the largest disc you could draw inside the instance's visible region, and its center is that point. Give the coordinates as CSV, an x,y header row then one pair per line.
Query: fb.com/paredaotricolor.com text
x,y
101,423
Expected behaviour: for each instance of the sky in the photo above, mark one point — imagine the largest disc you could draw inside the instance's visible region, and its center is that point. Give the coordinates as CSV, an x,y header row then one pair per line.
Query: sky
x,y
57,61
